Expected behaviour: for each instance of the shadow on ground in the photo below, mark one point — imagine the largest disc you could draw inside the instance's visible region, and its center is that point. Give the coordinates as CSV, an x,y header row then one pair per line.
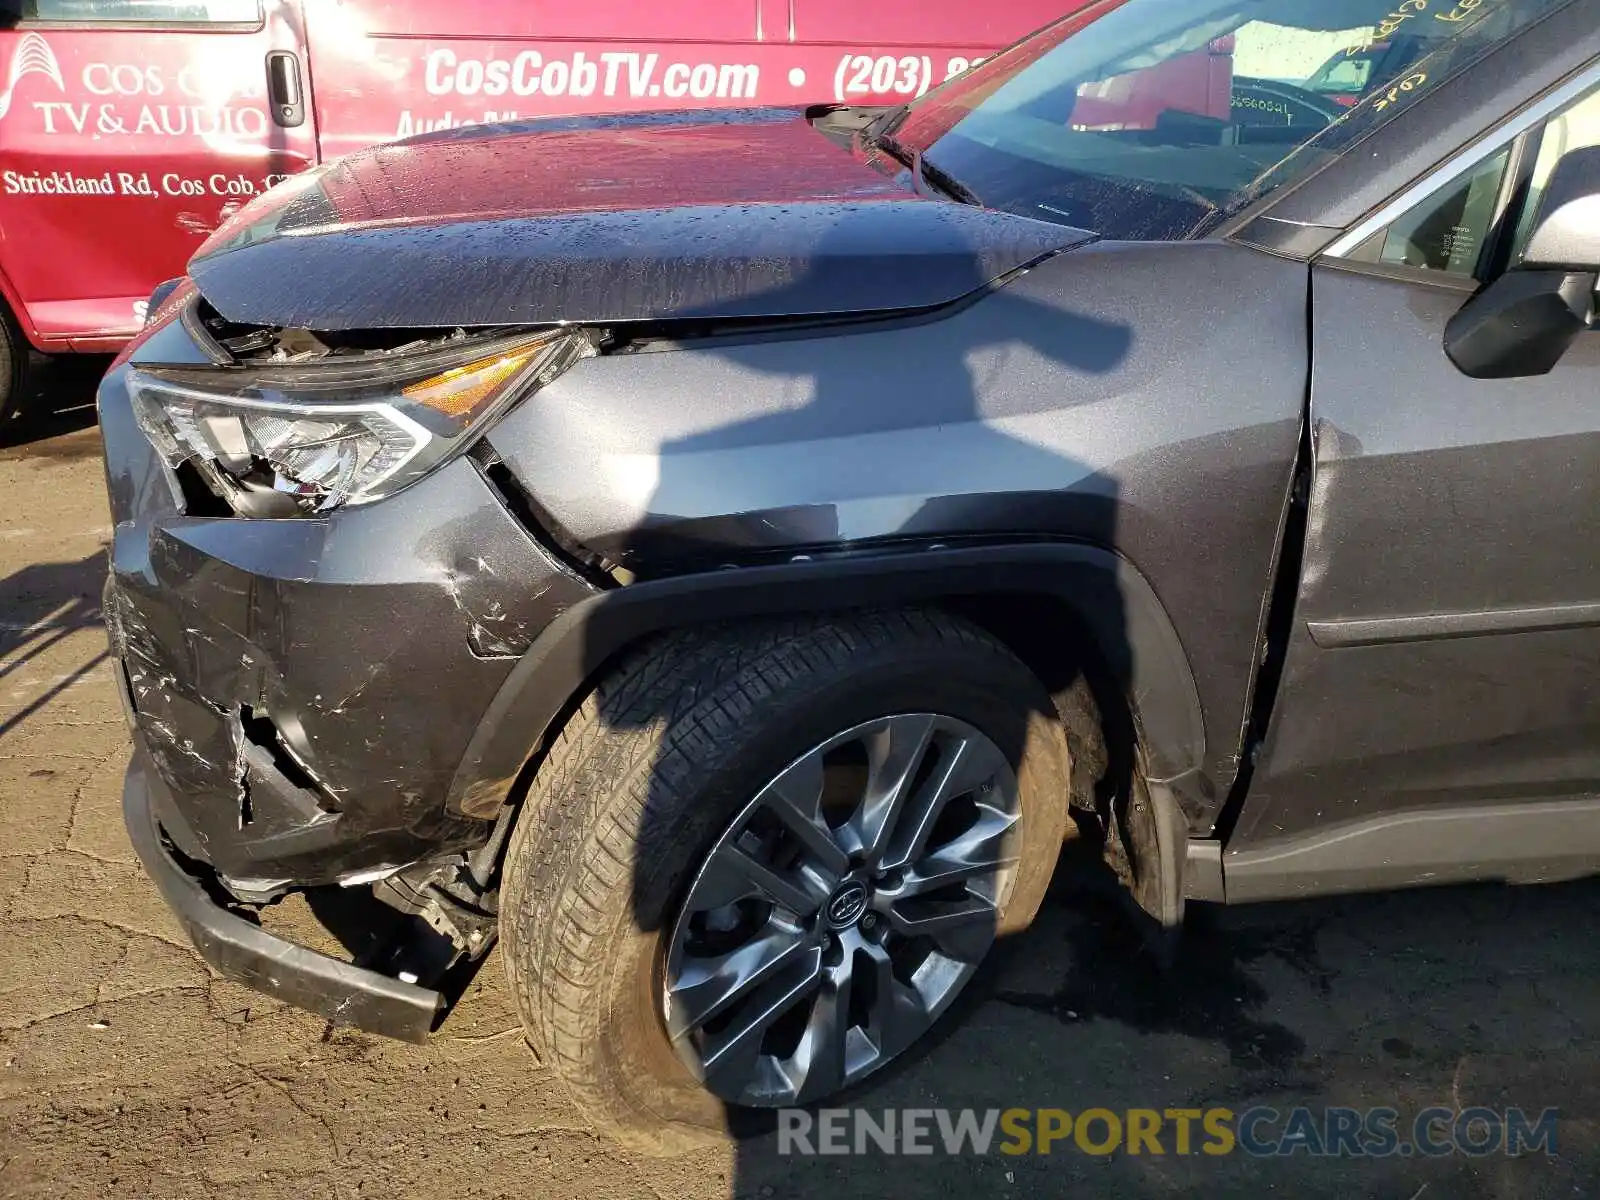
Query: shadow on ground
x,y
1460,997
42,606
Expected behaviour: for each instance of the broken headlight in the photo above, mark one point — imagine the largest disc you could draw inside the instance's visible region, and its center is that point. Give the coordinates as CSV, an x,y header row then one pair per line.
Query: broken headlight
x,y
293,439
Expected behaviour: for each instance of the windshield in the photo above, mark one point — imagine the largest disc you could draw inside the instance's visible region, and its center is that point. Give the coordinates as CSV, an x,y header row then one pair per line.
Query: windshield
x,y
1155,119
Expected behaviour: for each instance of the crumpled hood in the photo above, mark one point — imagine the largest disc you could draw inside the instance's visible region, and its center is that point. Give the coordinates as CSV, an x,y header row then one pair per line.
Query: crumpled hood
x,y
708,215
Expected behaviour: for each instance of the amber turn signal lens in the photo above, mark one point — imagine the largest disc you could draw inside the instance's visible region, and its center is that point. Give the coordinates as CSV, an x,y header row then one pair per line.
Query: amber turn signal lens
x,y
462,391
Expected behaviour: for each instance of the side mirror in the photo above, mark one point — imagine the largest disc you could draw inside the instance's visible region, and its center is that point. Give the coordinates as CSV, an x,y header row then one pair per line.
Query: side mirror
x,y
1567,231
1523,322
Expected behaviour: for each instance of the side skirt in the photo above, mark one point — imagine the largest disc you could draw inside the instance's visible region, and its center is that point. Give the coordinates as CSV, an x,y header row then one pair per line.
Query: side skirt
x,y
1528,842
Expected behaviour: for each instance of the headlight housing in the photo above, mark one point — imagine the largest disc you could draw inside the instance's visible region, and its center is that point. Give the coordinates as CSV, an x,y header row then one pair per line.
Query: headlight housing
x,y
301,439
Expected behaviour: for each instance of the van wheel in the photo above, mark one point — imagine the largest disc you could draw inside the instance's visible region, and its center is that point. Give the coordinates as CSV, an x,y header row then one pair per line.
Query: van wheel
x,y
760,861
16,357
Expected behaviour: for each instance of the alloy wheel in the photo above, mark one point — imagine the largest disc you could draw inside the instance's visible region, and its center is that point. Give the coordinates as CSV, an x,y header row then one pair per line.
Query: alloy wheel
x,y
843,909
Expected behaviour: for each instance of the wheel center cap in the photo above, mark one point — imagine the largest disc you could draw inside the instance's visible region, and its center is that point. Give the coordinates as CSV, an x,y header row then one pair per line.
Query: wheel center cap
x,y
846,904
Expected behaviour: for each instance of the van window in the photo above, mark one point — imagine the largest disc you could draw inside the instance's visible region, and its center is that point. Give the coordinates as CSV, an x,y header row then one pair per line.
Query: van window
x,y
130,12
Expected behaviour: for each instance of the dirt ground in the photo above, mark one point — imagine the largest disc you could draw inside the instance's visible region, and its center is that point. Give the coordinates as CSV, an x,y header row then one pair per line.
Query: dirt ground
x,y
126,1069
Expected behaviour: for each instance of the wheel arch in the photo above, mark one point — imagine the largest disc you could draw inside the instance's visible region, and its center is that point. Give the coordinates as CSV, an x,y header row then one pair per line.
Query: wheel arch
x,y
1103,602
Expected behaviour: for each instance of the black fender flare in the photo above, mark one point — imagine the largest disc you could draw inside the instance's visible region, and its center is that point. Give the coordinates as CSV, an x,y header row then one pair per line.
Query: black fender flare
x,y
1111,597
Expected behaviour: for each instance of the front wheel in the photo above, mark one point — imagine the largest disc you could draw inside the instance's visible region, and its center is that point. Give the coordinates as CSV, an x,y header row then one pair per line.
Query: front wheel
x,y
760,862
15,359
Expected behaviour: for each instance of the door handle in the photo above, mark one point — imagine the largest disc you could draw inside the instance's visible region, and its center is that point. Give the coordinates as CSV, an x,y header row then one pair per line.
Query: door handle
x,y
284,95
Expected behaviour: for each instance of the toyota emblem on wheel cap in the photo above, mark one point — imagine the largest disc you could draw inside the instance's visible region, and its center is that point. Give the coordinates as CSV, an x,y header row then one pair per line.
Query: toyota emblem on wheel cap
x,y
847,904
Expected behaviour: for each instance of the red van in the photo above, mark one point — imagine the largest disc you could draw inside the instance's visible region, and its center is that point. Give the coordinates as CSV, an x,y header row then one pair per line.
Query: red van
x,y
130,128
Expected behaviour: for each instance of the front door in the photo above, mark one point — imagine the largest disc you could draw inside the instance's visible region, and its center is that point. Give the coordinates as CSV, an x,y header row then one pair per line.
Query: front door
x,y
128,130
1446,649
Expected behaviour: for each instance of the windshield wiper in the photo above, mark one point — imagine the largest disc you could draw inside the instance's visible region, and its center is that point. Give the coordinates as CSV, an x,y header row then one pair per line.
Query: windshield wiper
x,y
925,172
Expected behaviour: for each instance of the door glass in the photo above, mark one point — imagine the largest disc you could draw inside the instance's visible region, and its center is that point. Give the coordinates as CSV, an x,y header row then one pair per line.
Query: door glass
x,y
1576,128
1448,231
156,12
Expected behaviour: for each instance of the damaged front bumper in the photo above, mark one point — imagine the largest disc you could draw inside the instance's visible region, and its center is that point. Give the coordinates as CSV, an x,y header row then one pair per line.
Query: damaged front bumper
x,y
306,688
242,951
301,692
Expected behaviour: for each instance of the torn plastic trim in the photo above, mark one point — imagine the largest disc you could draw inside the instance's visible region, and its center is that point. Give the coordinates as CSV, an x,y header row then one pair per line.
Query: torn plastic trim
x,y
240,773
372,875
253,890
259,728
244,952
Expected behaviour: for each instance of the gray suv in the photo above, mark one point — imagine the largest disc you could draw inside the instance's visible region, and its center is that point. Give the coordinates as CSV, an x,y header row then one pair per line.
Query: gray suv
x,y
726,557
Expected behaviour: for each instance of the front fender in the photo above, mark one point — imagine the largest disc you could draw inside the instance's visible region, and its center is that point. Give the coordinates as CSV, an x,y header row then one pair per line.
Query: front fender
x,y
1086,401
1111,598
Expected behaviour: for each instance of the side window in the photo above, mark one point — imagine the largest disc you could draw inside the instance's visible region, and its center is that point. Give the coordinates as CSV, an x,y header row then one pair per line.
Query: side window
x,y
1574,129
1447,232
131,12
1451,230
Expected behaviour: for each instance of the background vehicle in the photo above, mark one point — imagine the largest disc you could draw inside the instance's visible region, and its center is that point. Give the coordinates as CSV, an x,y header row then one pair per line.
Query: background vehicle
x,y
130,128
795,568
